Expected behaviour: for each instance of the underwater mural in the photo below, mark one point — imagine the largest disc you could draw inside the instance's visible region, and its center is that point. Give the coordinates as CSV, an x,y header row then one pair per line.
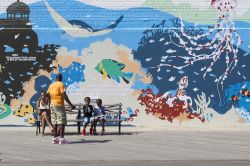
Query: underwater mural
x,y
183,63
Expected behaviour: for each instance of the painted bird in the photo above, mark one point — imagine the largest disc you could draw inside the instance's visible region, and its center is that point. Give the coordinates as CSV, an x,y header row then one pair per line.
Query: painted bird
x,y
113,70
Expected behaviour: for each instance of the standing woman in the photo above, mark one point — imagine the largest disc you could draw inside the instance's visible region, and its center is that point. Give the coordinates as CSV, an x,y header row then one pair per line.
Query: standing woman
x,y
43,104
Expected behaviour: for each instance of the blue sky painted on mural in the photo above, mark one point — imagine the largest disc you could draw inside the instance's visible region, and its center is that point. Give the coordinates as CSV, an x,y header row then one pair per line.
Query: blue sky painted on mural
x,y
128,32
97,18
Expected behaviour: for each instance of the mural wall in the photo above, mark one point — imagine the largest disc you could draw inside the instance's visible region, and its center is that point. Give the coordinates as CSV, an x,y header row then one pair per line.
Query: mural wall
x,y
183,63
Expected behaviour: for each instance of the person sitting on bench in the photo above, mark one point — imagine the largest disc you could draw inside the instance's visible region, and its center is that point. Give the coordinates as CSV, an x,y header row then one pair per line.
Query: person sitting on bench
x,y
43,106
99,115
88,116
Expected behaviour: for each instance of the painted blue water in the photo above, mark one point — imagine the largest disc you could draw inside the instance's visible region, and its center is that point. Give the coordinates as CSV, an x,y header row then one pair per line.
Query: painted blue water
x,y
128,32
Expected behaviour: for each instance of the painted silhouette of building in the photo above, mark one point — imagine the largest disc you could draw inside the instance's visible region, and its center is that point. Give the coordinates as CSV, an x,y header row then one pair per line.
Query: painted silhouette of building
x,y
16,34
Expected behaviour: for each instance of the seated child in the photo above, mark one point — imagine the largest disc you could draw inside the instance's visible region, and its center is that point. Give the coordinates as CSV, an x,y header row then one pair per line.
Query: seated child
x,y
99,115
88,116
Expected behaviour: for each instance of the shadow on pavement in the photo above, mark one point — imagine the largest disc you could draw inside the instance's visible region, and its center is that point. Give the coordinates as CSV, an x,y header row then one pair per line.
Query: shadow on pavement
x,y
106,133
132,163
123,133
89,141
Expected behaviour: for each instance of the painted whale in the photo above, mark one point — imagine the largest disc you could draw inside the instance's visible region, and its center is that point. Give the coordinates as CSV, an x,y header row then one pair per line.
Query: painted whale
x,y
83,25
77,28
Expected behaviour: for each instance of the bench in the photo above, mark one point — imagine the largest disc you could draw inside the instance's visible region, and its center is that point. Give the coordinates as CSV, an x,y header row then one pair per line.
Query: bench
x,y
113,116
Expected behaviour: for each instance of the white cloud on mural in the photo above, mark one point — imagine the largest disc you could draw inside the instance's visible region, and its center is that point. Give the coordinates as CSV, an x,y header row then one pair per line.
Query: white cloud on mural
x,y
200,4
242,7
115,4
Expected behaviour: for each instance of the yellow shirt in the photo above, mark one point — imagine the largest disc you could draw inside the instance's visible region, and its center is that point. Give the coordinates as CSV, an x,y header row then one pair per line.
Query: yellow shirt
x,y
55,91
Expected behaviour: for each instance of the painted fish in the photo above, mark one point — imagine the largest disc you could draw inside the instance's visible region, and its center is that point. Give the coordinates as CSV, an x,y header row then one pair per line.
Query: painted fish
x,y
5,111
2,98
235,98
23,109
132,113
77,28
29,120
2,110
112,69
245,92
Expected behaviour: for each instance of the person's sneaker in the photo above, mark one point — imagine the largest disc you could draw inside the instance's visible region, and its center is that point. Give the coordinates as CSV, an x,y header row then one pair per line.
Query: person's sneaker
x,y
55,140
90,131
63,141
83,132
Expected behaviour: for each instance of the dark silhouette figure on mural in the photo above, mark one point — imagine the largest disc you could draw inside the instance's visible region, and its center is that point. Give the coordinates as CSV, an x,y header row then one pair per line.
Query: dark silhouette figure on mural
x,y
21,57
17,33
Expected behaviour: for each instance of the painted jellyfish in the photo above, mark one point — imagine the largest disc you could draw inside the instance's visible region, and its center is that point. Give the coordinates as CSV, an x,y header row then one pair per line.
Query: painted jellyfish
x,y
224,5
225,41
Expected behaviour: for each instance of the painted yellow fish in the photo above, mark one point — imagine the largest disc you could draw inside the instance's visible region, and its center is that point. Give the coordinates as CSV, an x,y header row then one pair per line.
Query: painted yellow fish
x,y
23,109
113,70
30,120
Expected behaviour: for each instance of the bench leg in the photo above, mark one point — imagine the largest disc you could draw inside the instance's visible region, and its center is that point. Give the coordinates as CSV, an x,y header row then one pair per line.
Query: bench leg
x,y
79,123
119,127
79,127
38,129
119,123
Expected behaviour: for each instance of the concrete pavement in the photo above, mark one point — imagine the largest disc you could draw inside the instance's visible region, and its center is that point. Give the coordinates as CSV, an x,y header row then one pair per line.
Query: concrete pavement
x,y
130,148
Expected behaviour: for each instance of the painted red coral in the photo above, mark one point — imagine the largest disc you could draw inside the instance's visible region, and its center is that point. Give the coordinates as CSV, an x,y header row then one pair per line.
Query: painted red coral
x,y
161,109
